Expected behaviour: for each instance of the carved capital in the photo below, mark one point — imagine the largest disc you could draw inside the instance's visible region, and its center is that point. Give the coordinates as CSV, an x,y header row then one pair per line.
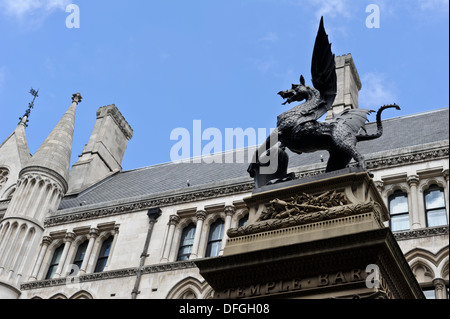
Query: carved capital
x,y
413,180
439,283
47,240
174,219
445,174
69,237
200,214
93,233
230,210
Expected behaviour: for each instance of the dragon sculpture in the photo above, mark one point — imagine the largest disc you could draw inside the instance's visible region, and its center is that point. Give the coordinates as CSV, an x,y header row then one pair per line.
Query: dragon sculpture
x,y
299,130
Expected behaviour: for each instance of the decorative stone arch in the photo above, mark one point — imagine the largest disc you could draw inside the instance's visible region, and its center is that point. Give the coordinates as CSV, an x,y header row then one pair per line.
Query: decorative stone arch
x,y
83,294
423,263
391,189
440,182
58,296
190,288
211,218
238,215
442,263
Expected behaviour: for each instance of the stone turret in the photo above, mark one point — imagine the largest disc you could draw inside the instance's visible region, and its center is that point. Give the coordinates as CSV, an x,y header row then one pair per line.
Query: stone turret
x,y
102,156
42,183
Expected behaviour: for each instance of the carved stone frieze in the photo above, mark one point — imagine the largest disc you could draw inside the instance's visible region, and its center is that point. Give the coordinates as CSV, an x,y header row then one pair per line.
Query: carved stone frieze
x,y
287,220
423,232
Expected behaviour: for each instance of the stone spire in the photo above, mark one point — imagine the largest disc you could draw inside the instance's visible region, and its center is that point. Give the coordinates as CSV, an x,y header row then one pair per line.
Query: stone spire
x,y
53,156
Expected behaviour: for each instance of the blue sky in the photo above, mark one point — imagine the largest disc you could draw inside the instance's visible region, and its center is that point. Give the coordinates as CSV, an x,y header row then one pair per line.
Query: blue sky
x,y
167,63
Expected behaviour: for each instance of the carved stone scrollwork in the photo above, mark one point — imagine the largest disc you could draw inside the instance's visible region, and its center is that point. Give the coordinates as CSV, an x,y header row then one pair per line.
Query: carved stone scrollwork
x,y
304,209
302,204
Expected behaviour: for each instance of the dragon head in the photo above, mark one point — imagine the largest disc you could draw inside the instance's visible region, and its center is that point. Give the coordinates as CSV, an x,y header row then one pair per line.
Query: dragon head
x,y
297,93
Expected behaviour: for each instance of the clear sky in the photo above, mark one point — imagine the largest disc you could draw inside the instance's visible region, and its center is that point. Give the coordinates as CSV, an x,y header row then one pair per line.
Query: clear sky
x,y
166,63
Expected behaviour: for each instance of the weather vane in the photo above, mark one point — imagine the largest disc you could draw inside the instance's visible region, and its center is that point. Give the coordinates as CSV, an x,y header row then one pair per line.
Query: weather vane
x,y
34,93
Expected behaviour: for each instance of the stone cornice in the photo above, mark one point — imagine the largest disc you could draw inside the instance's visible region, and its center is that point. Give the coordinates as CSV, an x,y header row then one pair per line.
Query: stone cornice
x,y
378,161
420,233
113,274
144,204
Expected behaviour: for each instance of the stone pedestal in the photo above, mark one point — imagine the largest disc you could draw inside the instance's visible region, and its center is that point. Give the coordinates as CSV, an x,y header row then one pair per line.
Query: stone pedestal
x,y
321,237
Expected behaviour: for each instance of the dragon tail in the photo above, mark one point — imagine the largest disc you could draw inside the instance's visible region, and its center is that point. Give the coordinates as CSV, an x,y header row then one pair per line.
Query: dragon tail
x,y
379,132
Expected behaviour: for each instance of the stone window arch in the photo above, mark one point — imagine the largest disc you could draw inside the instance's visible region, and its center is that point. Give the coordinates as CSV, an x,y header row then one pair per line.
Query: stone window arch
x,y
398,206
54,263
190,288
186,242
104,253
215,236
82,295
4,174
434,203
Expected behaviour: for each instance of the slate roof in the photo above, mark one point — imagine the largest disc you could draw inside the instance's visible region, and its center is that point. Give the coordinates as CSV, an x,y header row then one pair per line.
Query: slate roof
x,y
399,132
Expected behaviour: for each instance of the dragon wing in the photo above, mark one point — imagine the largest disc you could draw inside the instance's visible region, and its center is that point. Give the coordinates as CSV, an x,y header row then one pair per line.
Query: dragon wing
x,y
353,118
323,68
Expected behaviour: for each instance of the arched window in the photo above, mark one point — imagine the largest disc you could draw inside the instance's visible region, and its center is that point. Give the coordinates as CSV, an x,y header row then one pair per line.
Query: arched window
x,y
104,254
398,209
55,262
79,256
187,240
435,206
215,238
243,221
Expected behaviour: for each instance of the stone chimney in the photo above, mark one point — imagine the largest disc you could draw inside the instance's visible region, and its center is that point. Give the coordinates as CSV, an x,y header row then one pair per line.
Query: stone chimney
x,y
102,155
348,86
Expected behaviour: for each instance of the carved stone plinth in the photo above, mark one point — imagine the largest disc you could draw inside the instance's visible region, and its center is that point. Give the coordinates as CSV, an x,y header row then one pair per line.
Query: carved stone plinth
x,y
321,237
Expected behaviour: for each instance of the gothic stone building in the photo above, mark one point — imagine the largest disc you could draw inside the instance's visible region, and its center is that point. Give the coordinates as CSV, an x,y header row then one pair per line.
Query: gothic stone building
x,y
95,231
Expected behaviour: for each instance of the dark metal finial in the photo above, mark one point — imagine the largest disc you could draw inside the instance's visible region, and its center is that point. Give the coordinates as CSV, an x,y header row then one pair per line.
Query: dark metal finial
x,y
76,97
34,93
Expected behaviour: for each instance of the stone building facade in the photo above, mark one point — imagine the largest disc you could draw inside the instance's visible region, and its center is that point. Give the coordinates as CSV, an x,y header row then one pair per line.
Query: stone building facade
x,y
95,231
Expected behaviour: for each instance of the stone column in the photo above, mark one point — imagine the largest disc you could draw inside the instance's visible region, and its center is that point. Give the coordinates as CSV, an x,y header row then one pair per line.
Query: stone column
x,y
201,216
229,212
93,234
439,285
173,221
46,241
413,182
67,243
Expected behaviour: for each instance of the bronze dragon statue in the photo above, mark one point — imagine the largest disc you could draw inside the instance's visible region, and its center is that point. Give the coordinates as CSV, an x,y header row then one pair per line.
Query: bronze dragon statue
x,y
299,130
